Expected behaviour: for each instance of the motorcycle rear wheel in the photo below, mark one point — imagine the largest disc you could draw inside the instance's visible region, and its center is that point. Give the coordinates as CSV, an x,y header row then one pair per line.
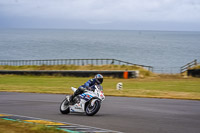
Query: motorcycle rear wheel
x,y
92,110
64,107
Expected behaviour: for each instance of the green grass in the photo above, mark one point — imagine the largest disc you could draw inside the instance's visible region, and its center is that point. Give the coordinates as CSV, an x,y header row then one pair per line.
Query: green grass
x,y
157,87
21,127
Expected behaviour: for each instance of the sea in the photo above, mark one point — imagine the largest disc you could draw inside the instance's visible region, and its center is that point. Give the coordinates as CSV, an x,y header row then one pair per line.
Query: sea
x,y
166,51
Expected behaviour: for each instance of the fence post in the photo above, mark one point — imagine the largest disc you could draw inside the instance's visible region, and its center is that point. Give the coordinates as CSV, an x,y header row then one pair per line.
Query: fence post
x,y
195,62
82,62
112,62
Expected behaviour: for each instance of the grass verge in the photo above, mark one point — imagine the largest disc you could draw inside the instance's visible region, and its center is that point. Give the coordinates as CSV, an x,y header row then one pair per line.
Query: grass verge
x,y
21,127
143,71
196,67
156,87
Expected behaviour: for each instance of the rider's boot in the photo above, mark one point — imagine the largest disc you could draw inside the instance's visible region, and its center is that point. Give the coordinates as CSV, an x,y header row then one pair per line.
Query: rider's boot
x,y
76,93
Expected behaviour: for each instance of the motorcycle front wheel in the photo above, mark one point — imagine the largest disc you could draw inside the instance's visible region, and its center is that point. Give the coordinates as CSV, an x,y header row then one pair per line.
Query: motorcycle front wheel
x,y
92,110
64,107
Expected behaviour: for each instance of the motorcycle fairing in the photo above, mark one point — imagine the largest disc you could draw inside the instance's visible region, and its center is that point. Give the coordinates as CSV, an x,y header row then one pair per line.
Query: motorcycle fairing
x,y
86,97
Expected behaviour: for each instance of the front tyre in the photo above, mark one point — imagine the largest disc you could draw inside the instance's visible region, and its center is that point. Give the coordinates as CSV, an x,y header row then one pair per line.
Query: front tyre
x,y
64,107
92,110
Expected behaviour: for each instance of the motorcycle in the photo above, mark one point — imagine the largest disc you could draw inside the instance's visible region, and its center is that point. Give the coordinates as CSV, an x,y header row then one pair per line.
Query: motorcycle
x,y
88,102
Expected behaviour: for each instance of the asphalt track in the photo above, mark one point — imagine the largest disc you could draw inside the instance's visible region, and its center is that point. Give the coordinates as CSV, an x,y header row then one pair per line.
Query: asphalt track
x,y
129,115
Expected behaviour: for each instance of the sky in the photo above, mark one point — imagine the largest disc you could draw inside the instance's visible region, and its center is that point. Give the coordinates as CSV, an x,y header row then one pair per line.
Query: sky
x,y
172,15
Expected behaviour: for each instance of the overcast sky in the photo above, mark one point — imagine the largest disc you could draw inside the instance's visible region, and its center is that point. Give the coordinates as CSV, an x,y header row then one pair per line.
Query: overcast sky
x,y
101,14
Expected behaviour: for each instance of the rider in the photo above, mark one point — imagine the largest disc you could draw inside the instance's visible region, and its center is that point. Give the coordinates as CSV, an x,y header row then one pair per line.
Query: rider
x,y
98,79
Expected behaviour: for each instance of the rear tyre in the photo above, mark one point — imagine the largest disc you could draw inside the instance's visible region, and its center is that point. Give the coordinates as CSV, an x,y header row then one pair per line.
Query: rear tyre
x,y
92,110
64,107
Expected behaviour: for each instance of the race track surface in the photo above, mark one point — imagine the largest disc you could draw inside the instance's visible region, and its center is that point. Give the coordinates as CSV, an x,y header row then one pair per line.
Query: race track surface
x,y
129,115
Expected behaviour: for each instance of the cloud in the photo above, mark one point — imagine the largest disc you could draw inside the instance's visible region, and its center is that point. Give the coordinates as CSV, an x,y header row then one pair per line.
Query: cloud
x,y
104,11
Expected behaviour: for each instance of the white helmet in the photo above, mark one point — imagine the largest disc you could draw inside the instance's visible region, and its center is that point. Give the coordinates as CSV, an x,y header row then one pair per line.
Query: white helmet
x,y
99,78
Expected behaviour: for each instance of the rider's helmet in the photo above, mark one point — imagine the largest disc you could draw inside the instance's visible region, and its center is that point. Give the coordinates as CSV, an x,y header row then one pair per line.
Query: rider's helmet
x,y
99,78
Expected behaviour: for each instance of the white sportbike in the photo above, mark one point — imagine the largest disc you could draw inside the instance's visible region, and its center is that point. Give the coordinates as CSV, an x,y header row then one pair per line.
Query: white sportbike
x,y
88,102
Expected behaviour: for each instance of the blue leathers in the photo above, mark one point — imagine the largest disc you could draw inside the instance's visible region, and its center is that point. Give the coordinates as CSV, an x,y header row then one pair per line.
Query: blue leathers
x,y
88,85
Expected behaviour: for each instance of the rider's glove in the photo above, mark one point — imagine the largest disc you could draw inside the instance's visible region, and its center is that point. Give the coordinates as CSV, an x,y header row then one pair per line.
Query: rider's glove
x,y
90,88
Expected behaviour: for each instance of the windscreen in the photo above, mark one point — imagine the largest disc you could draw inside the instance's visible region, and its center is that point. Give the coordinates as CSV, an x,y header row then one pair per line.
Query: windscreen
x,y
100,87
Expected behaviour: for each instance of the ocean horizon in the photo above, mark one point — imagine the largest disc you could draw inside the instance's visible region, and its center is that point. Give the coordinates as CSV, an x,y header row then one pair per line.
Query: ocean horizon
x,y
166,51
